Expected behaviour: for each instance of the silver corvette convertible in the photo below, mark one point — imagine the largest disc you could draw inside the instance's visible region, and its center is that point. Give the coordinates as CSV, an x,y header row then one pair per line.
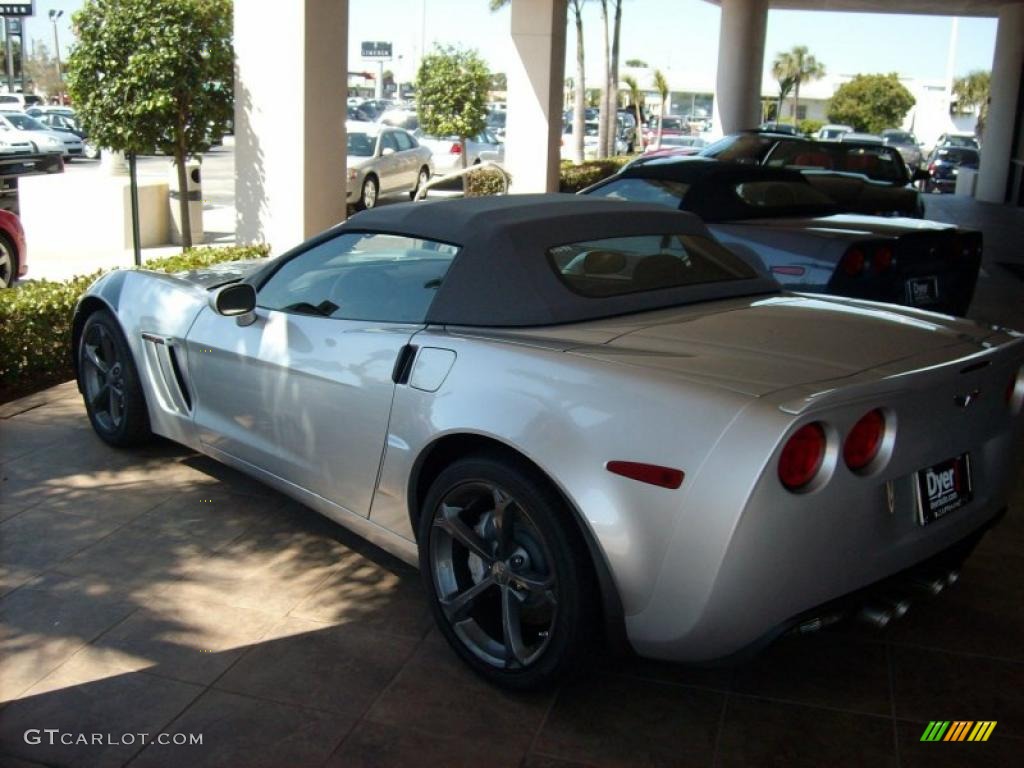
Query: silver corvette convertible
x,y
576,415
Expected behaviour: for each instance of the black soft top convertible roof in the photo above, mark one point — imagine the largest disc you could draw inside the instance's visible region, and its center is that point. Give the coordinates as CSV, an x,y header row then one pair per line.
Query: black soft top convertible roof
x,y
502,275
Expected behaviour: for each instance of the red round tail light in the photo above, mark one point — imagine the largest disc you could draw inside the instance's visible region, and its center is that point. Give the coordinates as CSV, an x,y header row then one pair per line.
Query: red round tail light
x,y
802,456
882,259
853,262
864,440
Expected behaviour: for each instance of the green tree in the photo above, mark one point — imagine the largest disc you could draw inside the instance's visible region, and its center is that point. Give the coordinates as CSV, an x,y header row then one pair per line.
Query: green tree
x,y
636,98
795,67
451,93
154,75
972,92
661,86
871,103
636,63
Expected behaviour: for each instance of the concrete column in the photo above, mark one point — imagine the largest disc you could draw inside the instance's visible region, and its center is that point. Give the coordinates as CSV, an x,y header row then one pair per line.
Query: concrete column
x,y
533,134
997,142
740,64
291,76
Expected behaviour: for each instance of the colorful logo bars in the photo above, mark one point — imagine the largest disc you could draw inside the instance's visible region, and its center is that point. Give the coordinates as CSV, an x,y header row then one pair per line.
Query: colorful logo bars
x,y
958,730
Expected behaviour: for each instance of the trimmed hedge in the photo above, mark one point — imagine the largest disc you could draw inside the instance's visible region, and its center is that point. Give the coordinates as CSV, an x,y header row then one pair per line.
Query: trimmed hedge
x,y
35,320
572,178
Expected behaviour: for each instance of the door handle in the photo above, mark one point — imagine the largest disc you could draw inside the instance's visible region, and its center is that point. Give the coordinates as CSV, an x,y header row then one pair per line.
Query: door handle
x,y
403,364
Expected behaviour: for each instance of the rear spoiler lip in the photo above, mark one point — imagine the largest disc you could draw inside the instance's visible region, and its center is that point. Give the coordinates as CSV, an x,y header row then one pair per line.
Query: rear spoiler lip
x,y
841,394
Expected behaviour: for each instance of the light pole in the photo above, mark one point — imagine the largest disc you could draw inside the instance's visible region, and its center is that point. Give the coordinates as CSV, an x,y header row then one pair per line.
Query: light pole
x,y
54,15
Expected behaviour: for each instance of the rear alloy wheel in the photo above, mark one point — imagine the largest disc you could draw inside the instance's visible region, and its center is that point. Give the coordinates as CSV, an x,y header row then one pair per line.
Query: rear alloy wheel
x,y
110,383
368,197
505,570
8,263
421,181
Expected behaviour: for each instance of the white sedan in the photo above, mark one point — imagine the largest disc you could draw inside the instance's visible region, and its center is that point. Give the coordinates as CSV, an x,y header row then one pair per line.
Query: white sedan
x,y
44,140
384,161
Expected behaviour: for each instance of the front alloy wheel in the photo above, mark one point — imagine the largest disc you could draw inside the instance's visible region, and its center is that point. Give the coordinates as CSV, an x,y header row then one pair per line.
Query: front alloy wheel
x,y
368,199
505,570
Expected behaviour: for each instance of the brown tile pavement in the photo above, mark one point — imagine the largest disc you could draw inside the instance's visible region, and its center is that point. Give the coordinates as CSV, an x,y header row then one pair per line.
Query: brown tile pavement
x,y
156,591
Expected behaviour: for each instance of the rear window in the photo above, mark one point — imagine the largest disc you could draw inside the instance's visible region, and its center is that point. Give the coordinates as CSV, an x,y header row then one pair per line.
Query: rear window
x,y
958,156
769,195
881,163
625,265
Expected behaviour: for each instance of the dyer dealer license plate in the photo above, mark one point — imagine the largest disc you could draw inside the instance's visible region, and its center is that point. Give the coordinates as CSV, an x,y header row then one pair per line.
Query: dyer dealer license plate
x,y
923,290
943,488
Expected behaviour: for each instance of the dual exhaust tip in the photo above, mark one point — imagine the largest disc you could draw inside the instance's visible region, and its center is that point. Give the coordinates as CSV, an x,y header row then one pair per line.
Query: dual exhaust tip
x,y
881,613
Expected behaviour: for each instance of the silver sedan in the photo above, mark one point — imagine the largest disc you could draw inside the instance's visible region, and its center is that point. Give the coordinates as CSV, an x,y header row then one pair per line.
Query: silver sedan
x,y
382,161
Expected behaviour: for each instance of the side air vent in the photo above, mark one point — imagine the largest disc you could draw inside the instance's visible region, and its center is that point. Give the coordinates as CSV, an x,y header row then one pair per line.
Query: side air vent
x,y
172,352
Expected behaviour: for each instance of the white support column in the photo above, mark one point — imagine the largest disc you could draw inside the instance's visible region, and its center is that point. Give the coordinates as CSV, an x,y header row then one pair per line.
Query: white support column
x,y
997,142
740,65
536,78
291,79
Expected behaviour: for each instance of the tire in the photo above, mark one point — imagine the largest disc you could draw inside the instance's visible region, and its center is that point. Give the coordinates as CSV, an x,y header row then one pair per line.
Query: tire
x,y
368,194
110,384
421,178
517,608
8,262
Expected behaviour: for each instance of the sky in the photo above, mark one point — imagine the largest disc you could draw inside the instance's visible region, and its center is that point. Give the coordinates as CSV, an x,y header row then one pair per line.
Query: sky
x,y
681,35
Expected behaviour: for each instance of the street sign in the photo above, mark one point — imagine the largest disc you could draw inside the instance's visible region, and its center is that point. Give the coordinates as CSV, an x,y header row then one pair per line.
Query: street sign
x,y
18,9
376,50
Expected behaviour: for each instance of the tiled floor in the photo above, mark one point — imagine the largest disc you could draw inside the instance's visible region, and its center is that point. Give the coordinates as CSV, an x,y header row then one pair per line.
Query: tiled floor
x,y
157,592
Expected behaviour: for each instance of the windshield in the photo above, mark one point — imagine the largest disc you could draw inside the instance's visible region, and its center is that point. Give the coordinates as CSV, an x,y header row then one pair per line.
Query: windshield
x,y
24,122
361,144
623,265
496,119
672,124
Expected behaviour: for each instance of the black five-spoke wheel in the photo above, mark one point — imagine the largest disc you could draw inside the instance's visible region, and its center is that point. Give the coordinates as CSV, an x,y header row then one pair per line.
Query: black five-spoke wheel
x,y
110,383
504,567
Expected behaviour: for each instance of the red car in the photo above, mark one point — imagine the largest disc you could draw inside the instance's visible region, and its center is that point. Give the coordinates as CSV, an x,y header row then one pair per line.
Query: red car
x,y
13,255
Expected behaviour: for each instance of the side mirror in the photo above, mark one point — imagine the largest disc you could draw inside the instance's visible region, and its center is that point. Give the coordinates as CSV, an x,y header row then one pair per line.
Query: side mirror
x,y
234,300
387,152
920,174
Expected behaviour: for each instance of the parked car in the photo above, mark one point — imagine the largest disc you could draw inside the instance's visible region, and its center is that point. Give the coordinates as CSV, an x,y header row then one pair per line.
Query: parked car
x,y
446,153
963,140
861,138
583,419
833,131
13,253
384,161
861,178
671,125
400,118
376,107
64,120
672,146
591,133
907,144
785,128
496,123
778,218
44,140
19,101
944,164
356,113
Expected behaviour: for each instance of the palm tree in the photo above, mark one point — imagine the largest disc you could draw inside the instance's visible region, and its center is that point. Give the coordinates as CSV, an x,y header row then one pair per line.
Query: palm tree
x,y
606,88
579,107
972,92
613,82
799,66
636,97
661,86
